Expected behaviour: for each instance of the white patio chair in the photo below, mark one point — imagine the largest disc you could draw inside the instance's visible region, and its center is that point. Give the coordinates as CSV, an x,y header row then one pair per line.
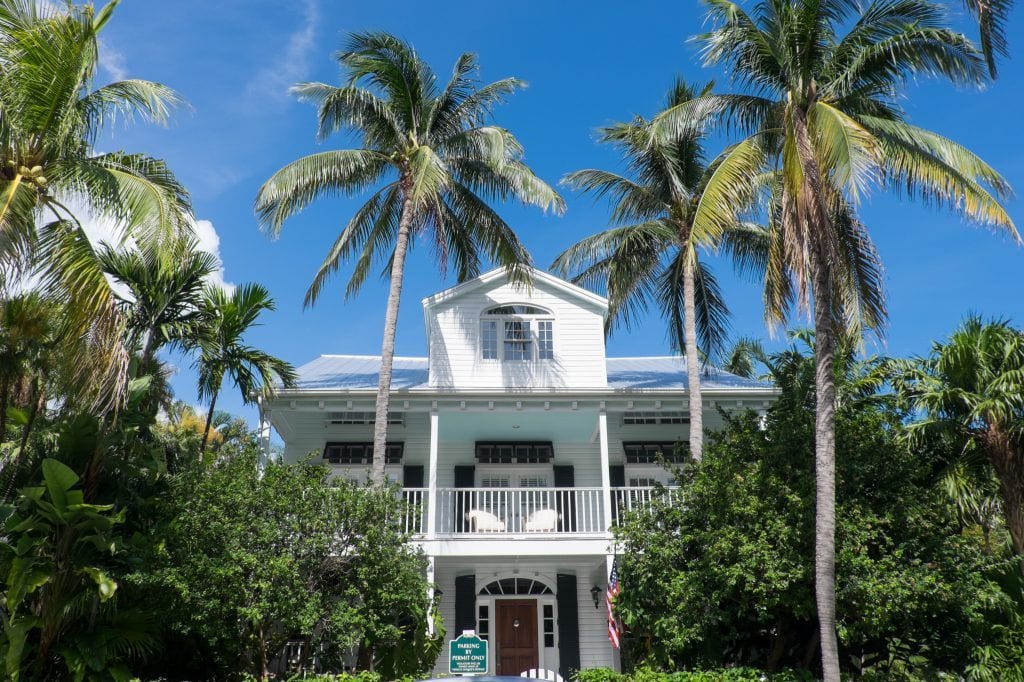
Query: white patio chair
x,y
542,521
481,521
538,674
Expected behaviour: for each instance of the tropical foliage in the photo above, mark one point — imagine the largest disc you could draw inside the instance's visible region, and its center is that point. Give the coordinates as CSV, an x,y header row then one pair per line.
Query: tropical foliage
x,y
733,558
968,393
52,178
440,163
226,317
136,526
820,110
241,569
673,204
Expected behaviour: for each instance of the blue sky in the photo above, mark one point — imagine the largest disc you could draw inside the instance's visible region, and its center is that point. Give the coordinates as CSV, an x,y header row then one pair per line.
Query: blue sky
x,y
587,64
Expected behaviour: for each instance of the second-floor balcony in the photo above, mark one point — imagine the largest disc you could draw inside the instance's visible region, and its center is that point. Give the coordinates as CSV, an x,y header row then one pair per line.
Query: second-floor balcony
x,y
524,512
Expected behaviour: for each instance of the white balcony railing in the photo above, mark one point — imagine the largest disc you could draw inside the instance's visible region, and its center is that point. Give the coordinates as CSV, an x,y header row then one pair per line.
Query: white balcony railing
x,y
529,511
415,518
628,499
484,512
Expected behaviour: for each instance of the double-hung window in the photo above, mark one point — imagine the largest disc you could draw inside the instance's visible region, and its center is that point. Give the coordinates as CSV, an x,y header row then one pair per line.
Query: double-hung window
x,y
518,340
517,333
545,340
489,339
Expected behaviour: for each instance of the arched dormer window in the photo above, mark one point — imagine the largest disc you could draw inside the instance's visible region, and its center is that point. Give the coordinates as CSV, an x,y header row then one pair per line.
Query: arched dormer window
x,y
517,332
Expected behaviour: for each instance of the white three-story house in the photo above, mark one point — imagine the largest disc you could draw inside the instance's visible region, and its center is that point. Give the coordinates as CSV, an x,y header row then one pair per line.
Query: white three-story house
x,y
521,442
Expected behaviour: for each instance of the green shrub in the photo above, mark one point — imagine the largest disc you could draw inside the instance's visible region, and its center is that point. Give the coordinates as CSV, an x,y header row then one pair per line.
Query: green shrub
x,y
720,675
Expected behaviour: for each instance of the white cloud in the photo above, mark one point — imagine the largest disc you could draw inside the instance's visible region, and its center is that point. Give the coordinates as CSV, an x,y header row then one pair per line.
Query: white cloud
x,y
209,241
290,65
104,230
112,61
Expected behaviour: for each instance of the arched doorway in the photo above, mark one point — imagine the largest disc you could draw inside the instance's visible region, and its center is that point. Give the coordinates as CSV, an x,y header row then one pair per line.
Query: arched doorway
x,y
517,615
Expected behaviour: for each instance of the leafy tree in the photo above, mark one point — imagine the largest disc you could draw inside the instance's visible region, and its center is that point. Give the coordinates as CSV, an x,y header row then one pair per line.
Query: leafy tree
x,y
250,560
674,204
970,389
826,118
225,319
52,117
441,162
732,562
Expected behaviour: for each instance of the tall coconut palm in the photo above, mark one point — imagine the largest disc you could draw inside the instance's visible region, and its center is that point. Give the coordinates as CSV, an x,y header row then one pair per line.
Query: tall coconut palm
x,y
822,108
671,204
971,390
222,351
432,163
164,293
50,117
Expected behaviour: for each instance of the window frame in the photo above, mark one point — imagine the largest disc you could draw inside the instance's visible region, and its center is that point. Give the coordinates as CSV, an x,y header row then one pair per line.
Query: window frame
x,y
394,453
532,316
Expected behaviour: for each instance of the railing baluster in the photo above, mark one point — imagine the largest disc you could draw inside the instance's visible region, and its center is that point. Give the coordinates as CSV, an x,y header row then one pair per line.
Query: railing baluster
x,y
504,511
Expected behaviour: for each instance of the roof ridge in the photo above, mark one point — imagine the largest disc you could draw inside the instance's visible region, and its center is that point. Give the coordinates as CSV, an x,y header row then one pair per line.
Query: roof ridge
x,y
373,357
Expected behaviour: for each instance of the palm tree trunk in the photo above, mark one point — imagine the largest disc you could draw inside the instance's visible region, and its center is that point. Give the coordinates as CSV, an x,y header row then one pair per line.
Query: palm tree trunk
x,y
37,399
209,421
5,389
825,476
693,364
147,351
816,221
1009,466
387,353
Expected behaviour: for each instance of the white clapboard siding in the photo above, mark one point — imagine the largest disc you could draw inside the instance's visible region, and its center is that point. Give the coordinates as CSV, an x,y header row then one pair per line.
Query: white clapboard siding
x,y
453,328
595,649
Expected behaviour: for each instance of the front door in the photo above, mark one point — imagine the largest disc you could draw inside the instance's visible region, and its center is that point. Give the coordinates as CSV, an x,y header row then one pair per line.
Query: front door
x,y
517,635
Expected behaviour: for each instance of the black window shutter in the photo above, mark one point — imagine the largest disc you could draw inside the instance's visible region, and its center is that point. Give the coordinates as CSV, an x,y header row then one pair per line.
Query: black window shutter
x,y
465,604
568,626
617,479
565,477
464,478
412,476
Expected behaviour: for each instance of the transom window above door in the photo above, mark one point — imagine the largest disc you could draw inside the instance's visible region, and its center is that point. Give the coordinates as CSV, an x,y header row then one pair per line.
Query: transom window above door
x,y
517,333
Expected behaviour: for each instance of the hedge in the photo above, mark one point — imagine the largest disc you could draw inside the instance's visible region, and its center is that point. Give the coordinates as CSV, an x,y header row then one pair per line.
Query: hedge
x,y
721,675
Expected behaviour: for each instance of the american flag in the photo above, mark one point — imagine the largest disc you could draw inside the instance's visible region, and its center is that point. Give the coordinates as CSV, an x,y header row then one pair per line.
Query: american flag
x,y
614,627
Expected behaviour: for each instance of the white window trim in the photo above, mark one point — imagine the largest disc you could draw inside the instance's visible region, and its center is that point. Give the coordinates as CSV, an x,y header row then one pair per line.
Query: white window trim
x,y
655,471
515,473
534,335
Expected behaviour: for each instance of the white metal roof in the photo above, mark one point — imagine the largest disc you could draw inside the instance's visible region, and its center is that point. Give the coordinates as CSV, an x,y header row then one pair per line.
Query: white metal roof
x,y
362,372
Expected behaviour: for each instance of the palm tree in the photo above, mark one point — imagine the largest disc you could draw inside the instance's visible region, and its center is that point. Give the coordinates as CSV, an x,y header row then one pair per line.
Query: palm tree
x,y
439,164
670,206
970,389
825,115
27,325
51,117
226,317
744,356
165,292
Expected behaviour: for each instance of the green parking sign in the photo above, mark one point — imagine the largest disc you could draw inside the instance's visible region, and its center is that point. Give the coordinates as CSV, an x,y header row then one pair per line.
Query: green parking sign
x,y
467,655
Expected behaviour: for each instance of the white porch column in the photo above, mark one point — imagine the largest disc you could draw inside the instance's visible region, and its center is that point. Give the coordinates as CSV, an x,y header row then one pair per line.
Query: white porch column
x,y
430,595
606,479
432,478
264,436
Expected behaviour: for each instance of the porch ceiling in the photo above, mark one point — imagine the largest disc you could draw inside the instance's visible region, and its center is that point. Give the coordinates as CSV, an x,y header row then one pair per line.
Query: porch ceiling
x,y
548,426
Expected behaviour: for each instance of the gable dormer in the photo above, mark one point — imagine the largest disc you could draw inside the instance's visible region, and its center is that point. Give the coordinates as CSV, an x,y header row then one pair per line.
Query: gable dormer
x,y
490,333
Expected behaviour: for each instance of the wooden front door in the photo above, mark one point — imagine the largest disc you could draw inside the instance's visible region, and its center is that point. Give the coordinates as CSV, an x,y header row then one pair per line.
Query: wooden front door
x,y
516,636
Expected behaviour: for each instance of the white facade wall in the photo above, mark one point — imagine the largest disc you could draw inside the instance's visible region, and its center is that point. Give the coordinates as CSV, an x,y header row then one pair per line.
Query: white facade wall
x,y
595,649
453,329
